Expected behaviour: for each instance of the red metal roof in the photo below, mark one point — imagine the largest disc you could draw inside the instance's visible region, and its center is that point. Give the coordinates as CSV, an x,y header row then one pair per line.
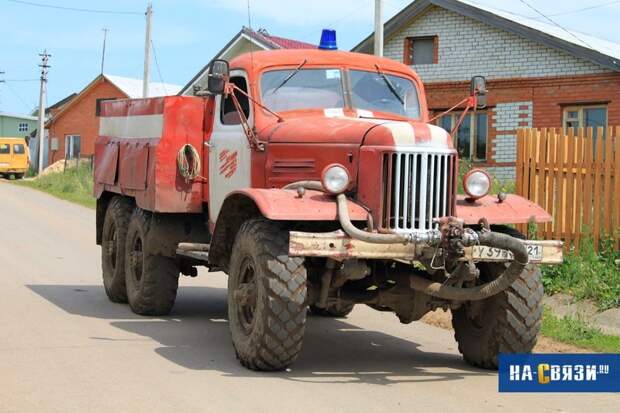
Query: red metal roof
x,y
290,43
278,42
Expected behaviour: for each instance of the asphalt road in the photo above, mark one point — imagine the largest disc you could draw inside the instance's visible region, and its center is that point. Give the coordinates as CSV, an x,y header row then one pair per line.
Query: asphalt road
x,y
64,347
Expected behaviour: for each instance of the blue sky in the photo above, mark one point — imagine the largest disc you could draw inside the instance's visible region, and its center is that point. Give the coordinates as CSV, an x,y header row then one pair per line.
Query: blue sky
x,y
187,33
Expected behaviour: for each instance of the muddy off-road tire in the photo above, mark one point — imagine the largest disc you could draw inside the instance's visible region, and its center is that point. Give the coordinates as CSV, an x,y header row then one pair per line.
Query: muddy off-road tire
x,y
266,297
152,280
113,238
508,322
339,310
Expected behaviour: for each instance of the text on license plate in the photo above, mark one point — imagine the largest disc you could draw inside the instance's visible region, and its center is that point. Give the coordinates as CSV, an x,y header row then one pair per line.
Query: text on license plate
x,y
482,252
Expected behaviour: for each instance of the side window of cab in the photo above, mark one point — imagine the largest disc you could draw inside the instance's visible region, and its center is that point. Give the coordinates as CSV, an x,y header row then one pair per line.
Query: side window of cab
x,y
228,112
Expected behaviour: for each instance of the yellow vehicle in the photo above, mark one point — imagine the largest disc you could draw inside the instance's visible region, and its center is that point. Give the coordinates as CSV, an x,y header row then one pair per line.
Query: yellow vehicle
x,y
14,157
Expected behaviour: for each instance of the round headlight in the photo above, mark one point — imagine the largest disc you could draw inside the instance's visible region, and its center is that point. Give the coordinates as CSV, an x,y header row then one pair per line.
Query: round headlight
x,y
476,183
335,178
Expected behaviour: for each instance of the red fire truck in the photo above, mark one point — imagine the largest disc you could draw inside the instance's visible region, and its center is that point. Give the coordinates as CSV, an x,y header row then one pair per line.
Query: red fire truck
x,y
316,181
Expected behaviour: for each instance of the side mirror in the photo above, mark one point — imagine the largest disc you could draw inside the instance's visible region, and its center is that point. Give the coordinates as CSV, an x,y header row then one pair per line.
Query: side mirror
x,y
478,87
218,75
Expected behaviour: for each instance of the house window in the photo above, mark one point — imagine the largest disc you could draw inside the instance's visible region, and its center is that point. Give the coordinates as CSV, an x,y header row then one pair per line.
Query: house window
x,y
98,105
576,117
421,50
72,146
471,137
22,127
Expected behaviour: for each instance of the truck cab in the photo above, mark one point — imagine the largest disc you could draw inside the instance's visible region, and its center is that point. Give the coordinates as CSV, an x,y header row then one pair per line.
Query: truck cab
x,y
315,180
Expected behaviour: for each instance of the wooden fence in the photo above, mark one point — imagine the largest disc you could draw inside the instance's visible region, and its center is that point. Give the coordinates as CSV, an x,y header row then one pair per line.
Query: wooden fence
x,y
575,178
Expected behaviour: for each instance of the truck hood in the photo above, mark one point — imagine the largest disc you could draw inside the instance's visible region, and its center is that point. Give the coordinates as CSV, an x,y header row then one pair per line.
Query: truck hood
x,y
360,131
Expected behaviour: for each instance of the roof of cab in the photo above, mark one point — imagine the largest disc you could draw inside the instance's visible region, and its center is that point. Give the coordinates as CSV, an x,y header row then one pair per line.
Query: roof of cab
x,y
293,57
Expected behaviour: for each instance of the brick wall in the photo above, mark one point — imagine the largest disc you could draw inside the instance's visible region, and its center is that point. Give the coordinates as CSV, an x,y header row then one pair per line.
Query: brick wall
x,y
79,119
468,47
533,102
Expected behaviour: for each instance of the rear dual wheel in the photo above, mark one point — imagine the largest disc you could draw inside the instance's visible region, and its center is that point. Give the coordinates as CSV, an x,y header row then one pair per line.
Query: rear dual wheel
x,y
151,279
113,237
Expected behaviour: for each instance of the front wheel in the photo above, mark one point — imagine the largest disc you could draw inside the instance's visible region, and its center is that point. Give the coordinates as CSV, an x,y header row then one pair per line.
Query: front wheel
x,y
508,322
266,297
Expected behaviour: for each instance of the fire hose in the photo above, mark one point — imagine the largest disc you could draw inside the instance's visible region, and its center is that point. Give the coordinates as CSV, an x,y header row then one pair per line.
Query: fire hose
x,y
437,289
188,162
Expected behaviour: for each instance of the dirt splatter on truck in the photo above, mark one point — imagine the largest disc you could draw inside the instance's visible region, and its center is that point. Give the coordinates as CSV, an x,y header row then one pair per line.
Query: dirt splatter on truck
x,y
316,181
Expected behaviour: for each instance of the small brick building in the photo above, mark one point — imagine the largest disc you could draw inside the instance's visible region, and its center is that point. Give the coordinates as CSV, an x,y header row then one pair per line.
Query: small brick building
x,y
538,75
73,128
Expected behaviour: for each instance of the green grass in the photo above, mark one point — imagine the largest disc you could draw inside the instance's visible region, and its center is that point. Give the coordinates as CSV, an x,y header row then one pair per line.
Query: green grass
x,y
74,185
576,332
587,275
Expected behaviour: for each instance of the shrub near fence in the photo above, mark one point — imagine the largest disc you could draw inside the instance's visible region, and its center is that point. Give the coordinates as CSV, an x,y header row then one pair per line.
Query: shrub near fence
x,y
576,178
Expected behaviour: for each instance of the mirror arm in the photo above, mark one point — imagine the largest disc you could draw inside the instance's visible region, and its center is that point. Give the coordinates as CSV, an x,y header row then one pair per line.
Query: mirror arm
x,y
229,90
466,100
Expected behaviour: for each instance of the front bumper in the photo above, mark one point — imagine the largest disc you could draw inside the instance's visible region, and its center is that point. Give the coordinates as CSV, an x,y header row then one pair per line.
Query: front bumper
x,y
339,246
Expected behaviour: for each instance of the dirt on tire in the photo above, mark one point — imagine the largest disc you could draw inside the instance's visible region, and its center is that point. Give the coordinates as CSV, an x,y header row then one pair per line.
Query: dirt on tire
x,y
152,280
266,297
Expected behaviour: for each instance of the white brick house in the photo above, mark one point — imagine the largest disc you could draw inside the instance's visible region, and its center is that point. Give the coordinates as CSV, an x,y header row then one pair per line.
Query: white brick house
x,y
539,75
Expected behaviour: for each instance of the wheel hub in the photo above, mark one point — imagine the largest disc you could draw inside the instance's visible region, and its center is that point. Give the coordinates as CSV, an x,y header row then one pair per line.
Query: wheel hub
x,y
246,295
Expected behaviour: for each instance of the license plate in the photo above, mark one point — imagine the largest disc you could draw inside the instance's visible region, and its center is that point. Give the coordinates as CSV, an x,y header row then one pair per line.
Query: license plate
x,y
482,252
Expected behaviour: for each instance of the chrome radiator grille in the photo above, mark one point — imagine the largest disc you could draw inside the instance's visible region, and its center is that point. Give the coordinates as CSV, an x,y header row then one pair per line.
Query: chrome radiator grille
x,y
418,186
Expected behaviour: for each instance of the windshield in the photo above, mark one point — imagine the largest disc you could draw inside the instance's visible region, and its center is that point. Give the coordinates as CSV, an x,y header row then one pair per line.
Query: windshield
x,y
306,89
375,91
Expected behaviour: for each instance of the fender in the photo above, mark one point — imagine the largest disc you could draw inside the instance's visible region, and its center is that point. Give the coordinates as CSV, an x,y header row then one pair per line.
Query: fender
x,y
286,205
514,210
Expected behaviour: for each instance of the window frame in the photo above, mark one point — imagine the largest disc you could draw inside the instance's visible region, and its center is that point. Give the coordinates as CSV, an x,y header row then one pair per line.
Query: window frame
x,y
69,144
454,116
580,119
408,49
23,127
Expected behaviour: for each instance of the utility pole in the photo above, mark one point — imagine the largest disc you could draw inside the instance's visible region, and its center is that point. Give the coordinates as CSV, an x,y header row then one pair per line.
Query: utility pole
x,y
1,80
379,28
41,132
105,35
147,52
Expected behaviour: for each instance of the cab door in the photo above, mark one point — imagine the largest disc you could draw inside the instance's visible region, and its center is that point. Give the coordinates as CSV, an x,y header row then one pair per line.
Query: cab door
x,y
5,156
19,156
229,150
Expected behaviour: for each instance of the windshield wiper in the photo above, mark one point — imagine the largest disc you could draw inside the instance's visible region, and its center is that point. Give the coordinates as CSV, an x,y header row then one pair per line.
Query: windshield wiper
x,y
390,85
289,77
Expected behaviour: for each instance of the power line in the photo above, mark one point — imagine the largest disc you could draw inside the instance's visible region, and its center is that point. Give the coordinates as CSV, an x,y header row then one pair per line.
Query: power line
x,y
555,23
161,78
76,9
18,96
